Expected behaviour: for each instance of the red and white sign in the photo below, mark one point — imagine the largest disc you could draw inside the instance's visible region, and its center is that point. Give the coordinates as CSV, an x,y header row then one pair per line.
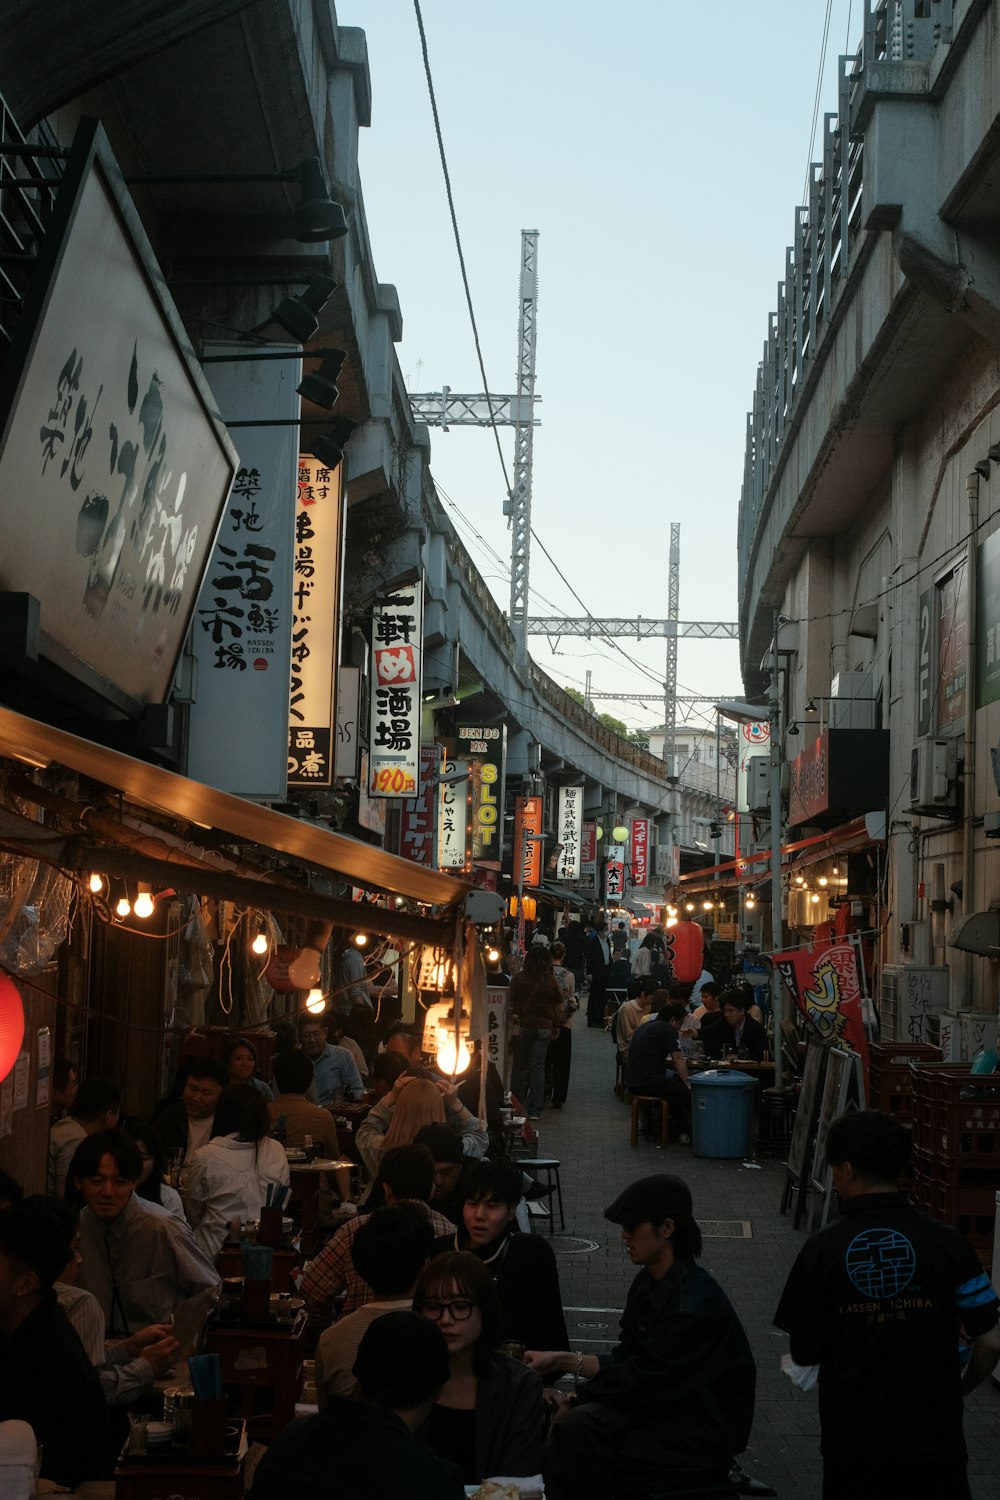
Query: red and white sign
x,y
397,648
588,854
528,840
640,851
615,879
417,830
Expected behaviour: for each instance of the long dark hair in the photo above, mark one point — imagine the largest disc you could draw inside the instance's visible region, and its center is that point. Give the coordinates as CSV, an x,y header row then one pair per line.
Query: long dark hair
x,y
143,1133
470,1277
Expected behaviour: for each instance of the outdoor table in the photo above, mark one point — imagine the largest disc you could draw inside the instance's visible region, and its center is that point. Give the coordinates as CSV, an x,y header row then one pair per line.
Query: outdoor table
x,y
268,1357
154,1476
306,1180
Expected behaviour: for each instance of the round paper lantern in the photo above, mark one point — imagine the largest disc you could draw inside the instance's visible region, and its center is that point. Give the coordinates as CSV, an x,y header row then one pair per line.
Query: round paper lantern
x,y
685,949
11,1024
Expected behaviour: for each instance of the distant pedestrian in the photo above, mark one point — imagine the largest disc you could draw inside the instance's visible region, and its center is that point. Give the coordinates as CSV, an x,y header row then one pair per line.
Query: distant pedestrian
x,y
598,964
878,1306
619,940
561,1049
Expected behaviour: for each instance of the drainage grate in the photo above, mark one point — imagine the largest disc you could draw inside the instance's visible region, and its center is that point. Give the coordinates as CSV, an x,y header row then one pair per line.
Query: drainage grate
x,y
726,1229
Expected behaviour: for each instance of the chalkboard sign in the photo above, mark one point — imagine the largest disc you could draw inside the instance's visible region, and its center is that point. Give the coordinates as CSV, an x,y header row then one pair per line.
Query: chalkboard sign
x,y
843,1090
810,1094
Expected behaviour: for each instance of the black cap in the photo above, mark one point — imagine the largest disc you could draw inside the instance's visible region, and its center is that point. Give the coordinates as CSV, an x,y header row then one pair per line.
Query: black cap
x,y
651,1200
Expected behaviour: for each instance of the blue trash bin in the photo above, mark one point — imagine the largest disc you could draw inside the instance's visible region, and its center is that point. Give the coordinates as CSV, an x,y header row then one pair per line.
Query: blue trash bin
x,y
721,1110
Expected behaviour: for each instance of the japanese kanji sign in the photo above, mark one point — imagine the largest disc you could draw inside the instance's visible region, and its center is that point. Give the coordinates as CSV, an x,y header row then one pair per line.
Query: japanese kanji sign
x,y
453,816
417,831
640,851
615,878
241,635
588,854
397,656
570,834
315,622
528,841
114,466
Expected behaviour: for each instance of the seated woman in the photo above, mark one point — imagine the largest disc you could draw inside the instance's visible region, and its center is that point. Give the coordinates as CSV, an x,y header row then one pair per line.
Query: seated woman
x,y
411,1104
151,1189
229,1178
523,1266
738,1030
240,1057
487,1418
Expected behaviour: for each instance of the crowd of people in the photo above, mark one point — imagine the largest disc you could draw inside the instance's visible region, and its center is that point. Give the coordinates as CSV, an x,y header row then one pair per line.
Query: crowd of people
x,y
442,1350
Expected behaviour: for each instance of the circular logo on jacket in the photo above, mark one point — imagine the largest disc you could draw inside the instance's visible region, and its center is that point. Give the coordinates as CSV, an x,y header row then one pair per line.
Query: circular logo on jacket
x,y
880,1262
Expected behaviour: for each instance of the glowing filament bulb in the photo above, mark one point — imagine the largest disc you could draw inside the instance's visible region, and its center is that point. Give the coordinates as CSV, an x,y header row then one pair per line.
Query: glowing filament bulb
x,y
96,883
315,1003
124,907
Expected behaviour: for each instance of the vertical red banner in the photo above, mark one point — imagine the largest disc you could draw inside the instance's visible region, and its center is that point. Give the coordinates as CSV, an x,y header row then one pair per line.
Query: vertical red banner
x,y
528,840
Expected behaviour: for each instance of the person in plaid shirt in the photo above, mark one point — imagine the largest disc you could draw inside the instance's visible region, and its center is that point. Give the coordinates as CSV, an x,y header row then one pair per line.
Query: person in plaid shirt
x,y
406,1176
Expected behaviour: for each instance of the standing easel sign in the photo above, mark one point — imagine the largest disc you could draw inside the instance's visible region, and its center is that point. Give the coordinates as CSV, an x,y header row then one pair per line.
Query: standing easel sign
x,y
843,1090
804,1129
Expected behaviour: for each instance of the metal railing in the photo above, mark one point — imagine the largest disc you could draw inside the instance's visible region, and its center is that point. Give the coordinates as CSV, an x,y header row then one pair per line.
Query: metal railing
x,y
24,213
827,238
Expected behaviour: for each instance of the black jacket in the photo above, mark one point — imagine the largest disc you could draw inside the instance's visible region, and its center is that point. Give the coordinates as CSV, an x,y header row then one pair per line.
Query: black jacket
x,y
753,1040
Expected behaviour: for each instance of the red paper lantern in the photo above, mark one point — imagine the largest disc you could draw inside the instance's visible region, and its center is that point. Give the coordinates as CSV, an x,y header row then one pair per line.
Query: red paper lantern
x,y
685,943
11,1024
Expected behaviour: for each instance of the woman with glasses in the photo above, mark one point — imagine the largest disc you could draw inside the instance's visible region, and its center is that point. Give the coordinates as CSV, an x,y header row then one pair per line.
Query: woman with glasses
x,y
487,1418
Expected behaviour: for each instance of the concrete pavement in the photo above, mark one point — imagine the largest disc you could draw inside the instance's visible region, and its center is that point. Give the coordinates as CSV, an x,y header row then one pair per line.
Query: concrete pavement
x,y
749,1248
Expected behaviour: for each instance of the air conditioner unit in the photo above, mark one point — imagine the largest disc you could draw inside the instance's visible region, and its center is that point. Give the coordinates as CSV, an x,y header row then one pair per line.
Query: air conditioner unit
x,y
934,777
759,783
911,995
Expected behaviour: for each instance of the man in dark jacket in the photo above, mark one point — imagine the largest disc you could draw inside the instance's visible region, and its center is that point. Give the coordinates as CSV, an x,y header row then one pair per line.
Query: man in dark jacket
x,y
598,963
367,1449
739,1030
675,1397
46,1378
656,1065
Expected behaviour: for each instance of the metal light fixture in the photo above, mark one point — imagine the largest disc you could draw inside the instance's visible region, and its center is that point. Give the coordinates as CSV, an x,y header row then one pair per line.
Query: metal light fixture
x,y
993,451
319,386
792,729
982,468
299,315
329,446
811,707
317,216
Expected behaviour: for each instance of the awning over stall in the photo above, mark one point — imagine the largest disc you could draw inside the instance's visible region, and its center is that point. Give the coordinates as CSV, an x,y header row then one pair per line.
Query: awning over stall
x,y
151,787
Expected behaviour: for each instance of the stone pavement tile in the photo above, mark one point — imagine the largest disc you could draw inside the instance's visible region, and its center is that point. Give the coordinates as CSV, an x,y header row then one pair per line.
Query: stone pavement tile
x,y
590,1136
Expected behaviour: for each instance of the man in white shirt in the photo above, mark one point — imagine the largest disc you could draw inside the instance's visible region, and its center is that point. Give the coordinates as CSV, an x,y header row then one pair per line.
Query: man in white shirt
x,y
186,1125
97,1106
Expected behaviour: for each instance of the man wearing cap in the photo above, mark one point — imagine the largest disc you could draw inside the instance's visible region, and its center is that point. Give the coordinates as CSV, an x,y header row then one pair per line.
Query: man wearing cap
x,y
878,1305
675,1397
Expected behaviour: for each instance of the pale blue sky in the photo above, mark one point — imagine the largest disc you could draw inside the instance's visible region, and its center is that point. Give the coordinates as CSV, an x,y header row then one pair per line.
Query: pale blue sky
x,y
660,149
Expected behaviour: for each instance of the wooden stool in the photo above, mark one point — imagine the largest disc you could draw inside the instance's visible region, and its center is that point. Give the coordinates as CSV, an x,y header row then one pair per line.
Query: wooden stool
x,y
638,1099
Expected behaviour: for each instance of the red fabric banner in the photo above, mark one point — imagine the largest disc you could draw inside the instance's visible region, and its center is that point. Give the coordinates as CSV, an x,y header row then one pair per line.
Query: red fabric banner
x,y
827,984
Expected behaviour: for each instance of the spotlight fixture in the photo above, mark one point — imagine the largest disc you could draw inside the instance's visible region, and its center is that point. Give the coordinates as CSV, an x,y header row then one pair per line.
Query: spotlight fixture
x,y
329,446
319,386
792,729
317,216
993,451
714,830
983,468
143,902
299,315
811,707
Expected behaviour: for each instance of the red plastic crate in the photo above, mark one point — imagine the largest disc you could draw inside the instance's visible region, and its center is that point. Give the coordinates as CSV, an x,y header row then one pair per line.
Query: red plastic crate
x,y
890,1079
963,1130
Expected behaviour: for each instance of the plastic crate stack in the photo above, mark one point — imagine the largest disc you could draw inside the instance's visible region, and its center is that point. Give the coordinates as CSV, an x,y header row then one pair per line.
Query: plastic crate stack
x,y
890,1084
956,1150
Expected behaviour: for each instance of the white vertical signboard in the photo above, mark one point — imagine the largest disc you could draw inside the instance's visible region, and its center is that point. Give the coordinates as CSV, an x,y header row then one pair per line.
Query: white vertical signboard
x,y
397,657
241,635
453,817
315,623
570,834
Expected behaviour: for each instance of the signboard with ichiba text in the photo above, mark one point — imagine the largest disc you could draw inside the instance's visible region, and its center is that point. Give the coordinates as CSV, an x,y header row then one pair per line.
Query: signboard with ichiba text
x,y
241,636
570,834
316,569
528,841
397,657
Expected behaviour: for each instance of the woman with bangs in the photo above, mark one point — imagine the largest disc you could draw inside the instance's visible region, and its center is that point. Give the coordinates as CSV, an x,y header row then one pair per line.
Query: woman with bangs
x,y
487,1418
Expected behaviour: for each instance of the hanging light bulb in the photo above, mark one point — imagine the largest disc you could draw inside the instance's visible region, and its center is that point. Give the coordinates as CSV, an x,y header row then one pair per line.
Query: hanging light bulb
x,y
800,880
259,944
822,880
361,939
96,883
749,901
144,902
124,907
689,906
304,969
707,905
493,955
814,898
315,1004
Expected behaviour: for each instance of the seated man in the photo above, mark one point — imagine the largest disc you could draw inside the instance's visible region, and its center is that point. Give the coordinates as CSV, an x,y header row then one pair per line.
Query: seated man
x,y
334,1069
673,1401
367,1449
389,1251
186,1124
523,1266
140,1266
451,1169
46,1378
405,1176
634,1013
656,1065
293,1073
96,1106
738,1030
